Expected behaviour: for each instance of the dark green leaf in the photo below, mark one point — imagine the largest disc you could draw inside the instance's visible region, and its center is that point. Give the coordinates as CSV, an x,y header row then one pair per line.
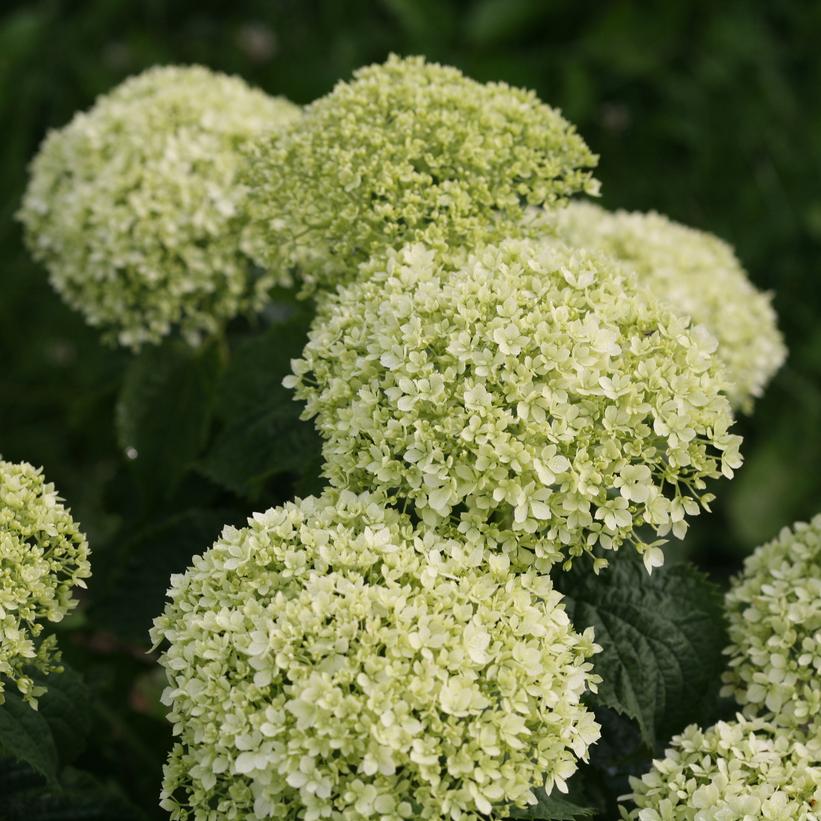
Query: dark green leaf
x,y
263,435
270,441
78,797
164,412
662,637
25,735
66,708
134,591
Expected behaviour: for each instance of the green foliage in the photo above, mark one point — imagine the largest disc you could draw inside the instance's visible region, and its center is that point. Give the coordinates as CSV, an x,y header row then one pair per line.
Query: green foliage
x,y
662,638
36,783
164,412
261,433
25,734
78,797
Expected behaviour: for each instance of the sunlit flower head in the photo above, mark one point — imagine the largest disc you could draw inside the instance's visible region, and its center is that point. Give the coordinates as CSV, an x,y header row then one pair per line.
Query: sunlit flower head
x,y
331,661
535,395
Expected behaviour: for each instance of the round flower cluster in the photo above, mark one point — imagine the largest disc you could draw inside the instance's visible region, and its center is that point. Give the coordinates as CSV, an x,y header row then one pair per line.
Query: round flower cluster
x,y
43,556
536,393
132,205
698,275
331,661
774,611
743,769
408,151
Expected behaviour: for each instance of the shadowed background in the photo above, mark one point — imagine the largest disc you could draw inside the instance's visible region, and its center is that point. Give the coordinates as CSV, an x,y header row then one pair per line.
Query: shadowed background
x,y
706,112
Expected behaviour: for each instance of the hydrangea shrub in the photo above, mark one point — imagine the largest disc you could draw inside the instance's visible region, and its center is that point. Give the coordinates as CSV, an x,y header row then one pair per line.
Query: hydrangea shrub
x,y
407,151
774,612
43,558
506,385
535,393
698,275
132,205
332,661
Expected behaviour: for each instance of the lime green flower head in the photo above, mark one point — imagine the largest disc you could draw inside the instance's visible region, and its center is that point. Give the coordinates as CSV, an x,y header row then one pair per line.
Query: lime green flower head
x,y
536,393
774,612
743,769
331,661
43,557
697,274
132,205
408,151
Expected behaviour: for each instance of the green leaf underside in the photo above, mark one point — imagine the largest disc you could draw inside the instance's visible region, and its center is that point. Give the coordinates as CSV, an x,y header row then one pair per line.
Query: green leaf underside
x,y
661,638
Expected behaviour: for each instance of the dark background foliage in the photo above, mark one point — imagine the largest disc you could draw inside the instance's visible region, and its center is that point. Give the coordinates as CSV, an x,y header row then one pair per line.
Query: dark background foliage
x,y
706,111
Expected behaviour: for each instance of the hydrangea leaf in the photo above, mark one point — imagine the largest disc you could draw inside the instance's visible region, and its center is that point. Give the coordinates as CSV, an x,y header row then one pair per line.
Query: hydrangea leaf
x,y
262,434
56,732
553,808
78,797
662,637
66,707
164,412
25,734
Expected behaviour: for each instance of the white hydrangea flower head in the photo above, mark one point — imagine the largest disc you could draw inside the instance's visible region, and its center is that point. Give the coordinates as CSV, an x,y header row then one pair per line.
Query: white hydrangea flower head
x,y
774,613
735,771
43,557
536,394
698,275
331,661
132,206
408,151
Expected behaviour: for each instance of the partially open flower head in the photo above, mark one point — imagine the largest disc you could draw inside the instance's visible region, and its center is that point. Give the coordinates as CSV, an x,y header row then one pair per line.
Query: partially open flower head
x,y
408,151
774,612
43,557
698,275
535,394
132,205
743,769
330,661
